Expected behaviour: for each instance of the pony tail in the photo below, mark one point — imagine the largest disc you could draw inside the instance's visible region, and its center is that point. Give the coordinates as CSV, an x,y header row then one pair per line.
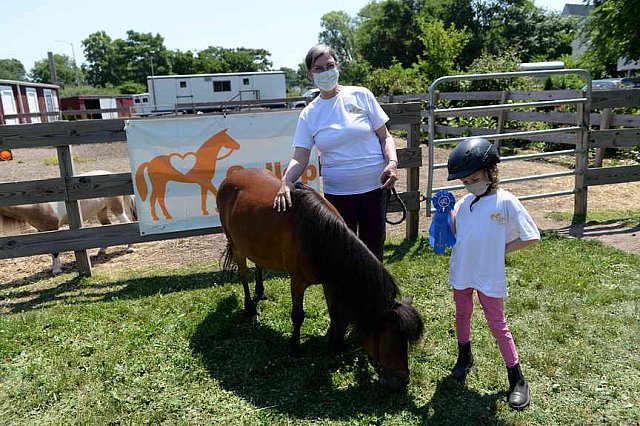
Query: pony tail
x,y
228,264
141,184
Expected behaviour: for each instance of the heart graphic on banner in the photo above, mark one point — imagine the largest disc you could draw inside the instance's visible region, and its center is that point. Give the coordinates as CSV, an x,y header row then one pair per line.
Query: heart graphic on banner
x,y
183,163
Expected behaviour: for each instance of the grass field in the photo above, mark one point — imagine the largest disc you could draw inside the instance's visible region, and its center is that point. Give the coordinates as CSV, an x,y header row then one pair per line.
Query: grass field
x,y
171,346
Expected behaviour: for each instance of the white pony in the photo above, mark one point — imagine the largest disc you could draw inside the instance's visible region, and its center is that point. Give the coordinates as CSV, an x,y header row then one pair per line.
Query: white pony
x,y
51,216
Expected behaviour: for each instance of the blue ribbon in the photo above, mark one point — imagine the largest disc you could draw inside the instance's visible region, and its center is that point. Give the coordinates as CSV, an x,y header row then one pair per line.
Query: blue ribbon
x,y
440,236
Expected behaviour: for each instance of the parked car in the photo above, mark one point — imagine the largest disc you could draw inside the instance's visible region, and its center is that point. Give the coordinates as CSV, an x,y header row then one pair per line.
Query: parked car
x,y
310,94
630,82
604,84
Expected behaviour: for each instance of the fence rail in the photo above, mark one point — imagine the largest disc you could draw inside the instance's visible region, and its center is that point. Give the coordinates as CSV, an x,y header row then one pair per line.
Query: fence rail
x,y
70,188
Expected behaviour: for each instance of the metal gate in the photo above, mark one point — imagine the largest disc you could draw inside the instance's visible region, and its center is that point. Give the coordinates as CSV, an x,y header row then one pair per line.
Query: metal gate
x,y
581,130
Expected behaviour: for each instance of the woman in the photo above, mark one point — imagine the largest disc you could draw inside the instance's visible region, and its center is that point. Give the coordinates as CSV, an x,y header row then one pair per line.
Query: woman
x,y
357,152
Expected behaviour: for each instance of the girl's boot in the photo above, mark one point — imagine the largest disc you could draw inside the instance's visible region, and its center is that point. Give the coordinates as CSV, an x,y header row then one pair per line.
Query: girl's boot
x,y
518,388
464,362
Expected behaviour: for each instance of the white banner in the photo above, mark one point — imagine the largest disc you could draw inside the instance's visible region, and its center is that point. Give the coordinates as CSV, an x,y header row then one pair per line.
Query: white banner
x,y
177,164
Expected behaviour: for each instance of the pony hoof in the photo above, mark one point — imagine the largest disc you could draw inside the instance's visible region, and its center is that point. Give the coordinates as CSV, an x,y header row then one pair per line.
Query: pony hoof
x,y
130,250
55,272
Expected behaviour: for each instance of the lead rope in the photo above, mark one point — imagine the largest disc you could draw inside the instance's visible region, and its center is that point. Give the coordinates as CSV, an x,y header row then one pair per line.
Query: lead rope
x,y
388,194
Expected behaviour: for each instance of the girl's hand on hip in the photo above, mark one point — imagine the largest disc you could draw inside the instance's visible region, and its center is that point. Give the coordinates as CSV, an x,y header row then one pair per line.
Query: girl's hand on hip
x,y
389,175
283,197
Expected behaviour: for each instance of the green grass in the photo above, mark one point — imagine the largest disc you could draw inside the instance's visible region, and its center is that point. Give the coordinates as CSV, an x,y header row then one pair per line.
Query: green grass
x,y
626,218
53,161
172,347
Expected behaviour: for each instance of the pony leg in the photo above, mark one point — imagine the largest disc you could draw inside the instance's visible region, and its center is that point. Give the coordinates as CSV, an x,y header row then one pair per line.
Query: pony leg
x,y
103,218
338,326
123,218
297,314
249,306
55,266
203,200
259,283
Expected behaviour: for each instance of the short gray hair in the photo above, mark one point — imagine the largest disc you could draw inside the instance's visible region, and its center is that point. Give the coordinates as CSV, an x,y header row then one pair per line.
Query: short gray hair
x,y
316,51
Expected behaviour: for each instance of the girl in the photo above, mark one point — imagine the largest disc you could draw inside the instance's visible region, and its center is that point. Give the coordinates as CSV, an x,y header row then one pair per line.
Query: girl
x,y
488,223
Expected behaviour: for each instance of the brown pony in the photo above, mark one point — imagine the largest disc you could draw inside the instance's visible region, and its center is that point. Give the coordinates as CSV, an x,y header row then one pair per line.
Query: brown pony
x,y
312,243
161,172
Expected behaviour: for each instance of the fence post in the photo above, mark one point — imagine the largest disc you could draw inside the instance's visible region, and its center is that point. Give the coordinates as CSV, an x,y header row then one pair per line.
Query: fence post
x,y
502,117
582,158
605,122
74,214
413,180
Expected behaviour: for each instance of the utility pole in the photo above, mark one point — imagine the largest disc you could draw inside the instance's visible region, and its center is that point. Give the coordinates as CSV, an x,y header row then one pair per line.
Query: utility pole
x,y
75,65
52,68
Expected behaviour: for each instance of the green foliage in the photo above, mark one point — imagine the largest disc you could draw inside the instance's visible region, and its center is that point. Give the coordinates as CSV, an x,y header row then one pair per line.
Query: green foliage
x,y
12,69
338,31
130,87
67,73
441,49
171,346
612,31
388,32
395,80
119,61
71,91
488,63
354,72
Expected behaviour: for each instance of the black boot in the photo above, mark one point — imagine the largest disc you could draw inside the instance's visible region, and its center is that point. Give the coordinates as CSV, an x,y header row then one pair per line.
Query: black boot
x,y
518,388
464,362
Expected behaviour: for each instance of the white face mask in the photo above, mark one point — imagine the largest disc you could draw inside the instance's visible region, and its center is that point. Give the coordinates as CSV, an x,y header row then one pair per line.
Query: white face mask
x,y
478,188
326,80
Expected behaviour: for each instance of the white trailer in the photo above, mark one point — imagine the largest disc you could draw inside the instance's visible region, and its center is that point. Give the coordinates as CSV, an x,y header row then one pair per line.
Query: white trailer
x,y
192,93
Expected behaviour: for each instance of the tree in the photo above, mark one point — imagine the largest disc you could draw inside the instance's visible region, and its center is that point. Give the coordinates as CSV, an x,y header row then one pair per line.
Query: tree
x,y
12,69
66,72
338,31
388,31
441,49
118,61
612,30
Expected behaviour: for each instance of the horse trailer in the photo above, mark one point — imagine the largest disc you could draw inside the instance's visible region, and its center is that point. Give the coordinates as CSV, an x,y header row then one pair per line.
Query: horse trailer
x,y
206,92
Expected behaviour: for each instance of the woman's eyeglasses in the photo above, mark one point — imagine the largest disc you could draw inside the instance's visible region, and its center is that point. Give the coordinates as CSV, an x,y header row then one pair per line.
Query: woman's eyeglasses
x,y
318,69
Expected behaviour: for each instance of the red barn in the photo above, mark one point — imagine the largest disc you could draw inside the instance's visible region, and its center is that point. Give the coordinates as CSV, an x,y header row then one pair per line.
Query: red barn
x,y
116,106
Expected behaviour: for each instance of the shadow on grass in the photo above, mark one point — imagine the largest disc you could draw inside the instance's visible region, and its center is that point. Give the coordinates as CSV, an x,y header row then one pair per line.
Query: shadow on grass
x,y
66,267
455,404
67,291
398,252
251,360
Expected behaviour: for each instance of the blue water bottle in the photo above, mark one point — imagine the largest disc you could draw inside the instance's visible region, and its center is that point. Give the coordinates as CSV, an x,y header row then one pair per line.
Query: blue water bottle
x,y
440,236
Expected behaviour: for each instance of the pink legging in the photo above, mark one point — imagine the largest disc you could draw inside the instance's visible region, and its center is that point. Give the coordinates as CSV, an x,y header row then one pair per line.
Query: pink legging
x,y
493,308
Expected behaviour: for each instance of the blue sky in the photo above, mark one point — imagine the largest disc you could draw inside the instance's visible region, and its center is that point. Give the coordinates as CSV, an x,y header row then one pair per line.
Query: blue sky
x,y
286,28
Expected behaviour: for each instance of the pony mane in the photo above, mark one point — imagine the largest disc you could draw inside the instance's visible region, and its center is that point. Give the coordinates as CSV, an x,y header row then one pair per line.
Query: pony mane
x,y
356,278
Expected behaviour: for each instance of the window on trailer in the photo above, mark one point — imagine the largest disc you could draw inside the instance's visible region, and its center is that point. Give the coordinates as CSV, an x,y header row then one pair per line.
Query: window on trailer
x,y
222,86
245,81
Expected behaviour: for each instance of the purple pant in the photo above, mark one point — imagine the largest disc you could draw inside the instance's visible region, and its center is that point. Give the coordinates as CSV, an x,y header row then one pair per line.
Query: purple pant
x,y
493,308
364,215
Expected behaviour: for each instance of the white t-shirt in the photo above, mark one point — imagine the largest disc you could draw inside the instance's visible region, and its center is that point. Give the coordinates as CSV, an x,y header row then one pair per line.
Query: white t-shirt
x,y
343,130
478,256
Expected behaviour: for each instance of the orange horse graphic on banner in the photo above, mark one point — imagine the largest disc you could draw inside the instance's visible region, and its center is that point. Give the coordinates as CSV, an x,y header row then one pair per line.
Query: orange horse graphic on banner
x,y
162,170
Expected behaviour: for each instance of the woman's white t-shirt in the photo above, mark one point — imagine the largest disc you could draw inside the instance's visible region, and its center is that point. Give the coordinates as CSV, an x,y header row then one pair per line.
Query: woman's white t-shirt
x,y
478,256
343,130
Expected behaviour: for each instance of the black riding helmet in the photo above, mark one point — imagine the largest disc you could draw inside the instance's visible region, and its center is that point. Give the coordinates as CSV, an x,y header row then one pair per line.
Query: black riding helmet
x,y
471,155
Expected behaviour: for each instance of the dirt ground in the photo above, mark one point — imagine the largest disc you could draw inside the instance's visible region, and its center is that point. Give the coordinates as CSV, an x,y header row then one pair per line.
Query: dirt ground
x,y
36,164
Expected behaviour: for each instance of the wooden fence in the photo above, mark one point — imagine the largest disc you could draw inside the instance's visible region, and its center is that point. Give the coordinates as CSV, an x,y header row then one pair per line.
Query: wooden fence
x,y
69,188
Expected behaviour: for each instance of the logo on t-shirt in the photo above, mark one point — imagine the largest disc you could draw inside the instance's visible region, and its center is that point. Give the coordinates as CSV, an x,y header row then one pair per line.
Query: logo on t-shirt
x,y
353,109
498,218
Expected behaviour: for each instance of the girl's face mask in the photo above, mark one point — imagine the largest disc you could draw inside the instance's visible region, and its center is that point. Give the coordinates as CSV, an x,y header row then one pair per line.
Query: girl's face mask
x,y
326,80
477,188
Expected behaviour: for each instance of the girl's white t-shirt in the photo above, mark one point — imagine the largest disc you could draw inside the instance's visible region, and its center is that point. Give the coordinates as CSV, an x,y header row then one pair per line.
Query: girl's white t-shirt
x,y
478,256
343,130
